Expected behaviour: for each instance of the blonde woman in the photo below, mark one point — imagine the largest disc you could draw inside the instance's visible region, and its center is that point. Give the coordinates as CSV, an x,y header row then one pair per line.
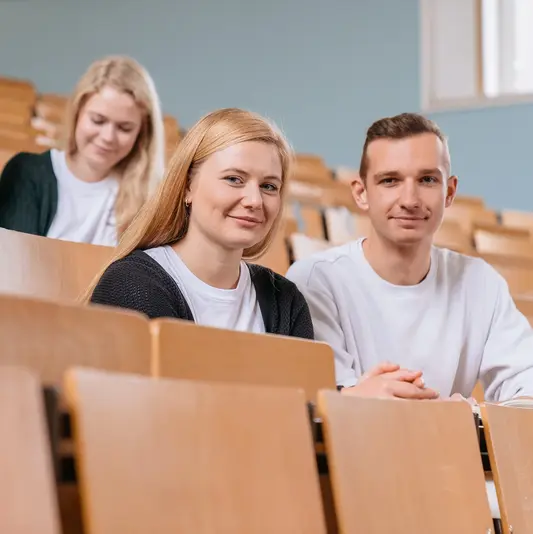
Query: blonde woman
x,y
220,204
114,155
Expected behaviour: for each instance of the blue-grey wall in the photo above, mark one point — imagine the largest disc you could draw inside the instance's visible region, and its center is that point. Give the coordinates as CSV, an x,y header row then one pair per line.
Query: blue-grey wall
x,y
323,70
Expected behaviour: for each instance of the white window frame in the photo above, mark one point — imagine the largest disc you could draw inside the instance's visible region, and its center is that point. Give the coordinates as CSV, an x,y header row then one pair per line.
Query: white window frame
x,y
431,103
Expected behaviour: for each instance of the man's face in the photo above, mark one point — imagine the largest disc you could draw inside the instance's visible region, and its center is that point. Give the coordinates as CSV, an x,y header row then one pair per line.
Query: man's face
x,y
407,187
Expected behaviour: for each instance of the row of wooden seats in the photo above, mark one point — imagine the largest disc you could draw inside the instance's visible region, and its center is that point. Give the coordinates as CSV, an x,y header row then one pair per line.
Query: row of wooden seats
x,y
49,337
193,456
62,270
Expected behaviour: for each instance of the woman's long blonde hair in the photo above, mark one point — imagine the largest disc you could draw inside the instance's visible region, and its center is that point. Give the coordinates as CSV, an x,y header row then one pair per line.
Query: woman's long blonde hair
x,y
164,219
143,167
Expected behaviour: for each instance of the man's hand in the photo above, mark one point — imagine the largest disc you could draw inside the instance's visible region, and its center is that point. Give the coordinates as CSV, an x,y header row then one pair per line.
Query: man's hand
x,y
389,381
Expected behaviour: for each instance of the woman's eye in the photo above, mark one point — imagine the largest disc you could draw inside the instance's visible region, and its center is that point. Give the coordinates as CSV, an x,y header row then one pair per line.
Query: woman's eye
x,y
270,187
234,179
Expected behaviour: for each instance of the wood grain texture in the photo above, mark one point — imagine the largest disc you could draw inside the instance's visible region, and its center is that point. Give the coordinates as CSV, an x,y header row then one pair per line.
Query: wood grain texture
x,y
48,268
406,467
509,435
185,350
48,338
178,457
28,503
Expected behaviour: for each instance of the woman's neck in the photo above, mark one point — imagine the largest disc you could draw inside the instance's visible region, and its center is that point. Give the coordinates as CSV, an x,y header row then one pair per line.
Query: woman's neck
x,y
210,263
404,265
81,169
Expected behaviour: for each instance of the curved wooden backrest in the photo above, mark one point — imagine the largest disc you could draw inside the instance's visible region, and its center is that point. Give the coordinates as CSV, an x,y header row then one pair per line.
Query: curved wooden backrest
x,y
518,219
509,435
27,485
467,215
48,268
497,243
188,351
452,235
518,272
48,338
404,467
175,456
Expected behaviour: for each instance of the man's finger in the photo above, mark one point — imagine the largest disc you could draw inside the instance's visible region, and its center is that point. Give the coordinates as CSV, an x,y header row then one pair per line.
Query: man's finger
x,y
382,368
403,375
420,383
405,390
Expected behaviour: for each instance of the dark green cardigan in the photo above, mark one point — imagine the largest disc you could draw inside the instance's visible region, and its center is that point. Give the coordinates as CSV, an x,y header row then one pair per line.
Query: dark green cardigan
x,y
28,193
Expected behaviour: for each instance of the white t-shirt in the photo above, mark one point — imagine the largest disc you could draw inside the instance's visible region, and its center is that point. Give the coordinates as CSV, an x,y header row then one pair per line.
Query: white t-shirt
x,y
232,309
457,325
85,211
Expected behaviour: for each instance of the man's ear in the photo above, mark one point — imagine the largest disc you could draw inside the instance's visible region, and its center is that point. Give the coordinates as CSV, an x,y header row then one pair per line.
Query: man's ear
x,y
451,190
359,193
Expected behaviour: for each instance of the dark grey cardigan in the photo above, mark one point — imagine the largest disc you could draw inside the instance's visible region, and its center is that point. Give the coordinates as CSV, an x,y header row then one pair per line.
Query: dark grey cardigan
x,y
28,193
138,282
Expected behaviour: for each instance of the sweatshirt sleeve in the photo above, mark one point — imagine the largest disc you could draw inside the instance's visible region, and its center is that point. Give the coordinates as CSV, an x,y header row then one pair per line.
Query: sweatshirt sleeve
x,y
507,364
313,284
19,205
131,285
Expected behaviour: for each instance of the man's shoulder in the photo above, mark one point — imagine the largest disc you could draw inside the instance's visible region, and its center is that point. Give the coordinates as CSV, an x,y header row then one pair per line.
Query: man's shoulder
x,y
325,261
473,270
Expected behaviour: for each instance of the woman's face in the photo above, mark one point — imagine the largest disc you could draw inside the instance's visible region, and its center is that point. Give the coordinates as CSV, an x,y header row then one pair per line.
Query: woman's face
x,y
107,128
235,195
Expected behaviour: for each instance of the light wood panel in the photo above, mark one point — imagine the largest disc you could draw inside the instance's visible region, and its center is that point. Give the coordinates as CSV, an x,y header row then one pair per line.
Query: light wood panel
x,y
48,338
505,245
48,268
27,486
188,351
174,457
452,235
509,435
404,466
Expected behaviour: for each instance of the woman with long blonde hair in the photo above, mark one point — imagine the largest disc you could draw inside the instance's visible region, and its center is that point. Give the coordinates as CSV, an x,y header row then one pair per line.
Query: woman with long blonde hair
x,y
112,159
220,204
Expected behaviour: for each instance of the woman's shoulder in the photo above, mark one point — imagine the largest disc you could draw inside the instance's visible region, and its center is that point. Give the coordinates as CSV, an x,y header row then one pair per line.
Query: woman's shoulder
x,y
138,282
137,264
266,279
30,165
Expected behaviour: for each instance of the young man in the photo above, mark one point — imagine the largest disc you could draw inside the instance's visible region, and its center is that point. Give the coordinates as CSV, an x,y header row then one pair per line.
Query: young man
x,y
393,297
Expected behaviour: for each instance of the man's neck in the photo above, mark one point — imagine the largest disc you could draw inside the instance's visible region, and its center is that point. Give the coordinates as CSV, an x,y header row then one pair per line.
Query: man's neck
x,y
405,265
211,264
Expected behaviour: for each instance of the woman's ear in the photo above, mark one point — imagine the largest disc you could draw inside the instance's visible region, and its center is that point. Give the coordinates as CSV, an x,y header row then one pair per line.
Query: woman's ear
x,y
359,192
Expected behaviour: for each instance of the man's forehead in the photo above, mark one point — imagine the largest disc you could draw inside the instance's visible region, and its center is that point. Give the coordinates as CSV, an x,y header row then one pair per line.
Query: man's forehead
x,y
410,154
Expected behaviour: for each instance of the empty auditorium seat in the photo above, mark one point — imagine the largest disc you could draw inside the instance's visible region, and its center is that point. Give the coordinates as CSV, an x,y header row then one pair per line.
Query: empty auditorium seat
x,y
184,456
48,268
27,481
404,467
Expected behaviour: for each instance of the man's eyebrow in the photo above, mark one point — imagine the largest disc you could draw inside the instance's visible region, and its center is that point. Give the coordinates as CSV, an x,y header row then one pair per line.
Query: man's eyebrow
x,y
386,174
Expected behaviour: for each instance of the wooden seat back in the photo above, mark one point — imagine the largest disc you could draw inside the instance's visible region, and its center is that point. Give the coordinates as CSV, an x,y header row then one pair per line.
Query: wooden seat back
x,y
48,268
179,456
404,466
27,485
49,337
188,351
